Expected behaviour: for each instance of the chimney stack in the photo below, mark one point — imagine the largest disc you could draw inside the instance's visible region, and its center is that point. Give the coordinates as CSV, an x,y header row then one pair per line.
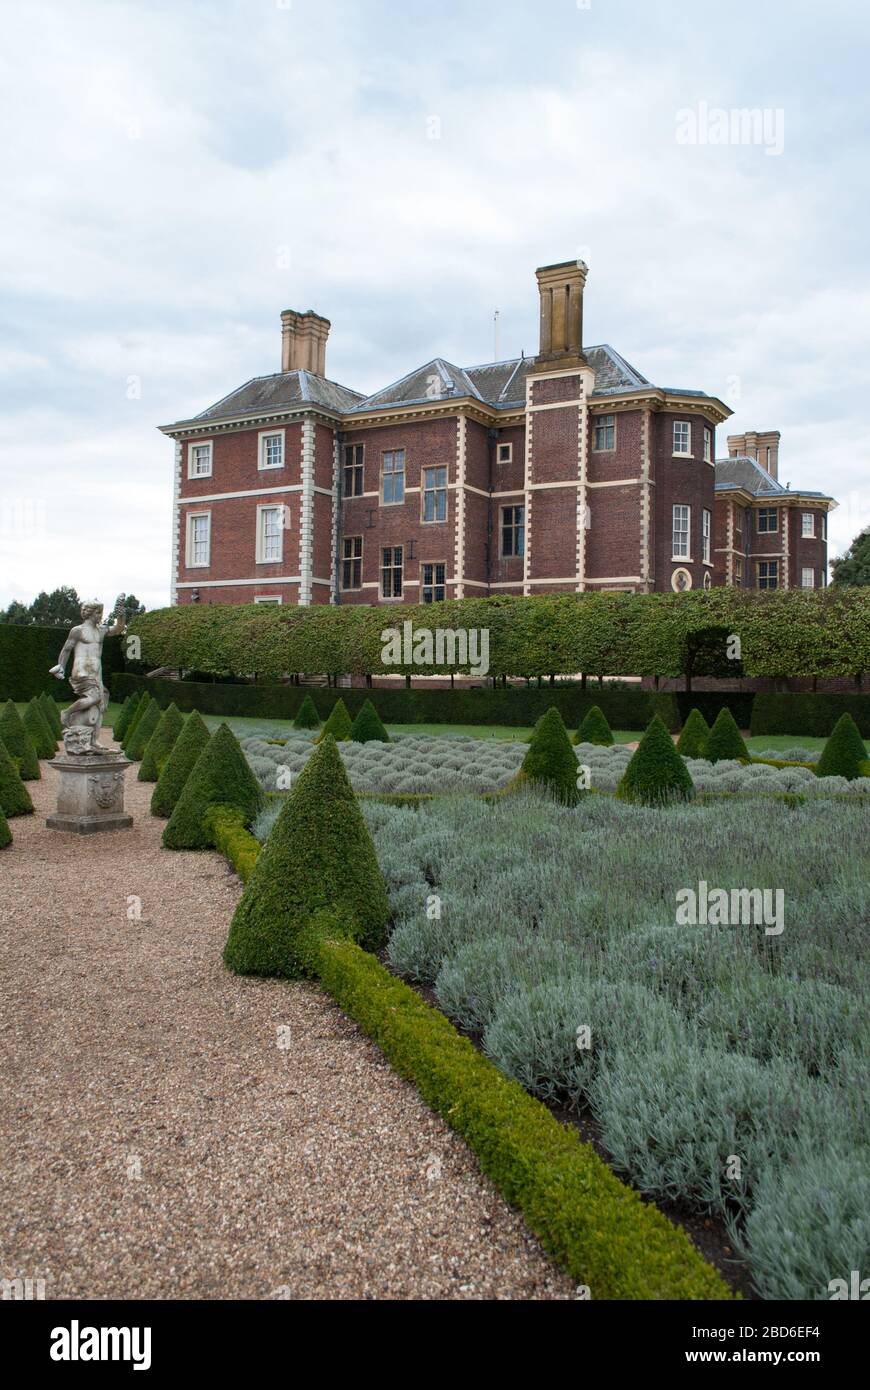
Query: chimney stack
x,y
561,290
303,342
761,446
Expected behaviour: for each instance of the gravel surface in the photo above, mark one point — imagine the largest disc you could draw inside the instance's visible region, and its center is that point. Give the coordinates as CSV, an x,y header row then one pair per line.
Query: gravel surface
x,y
172,1131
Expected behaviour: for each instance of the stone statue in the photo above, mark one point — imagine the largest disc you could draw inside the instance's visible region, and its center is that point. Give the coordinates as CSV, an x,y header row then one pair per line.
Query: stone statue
x,y
83,719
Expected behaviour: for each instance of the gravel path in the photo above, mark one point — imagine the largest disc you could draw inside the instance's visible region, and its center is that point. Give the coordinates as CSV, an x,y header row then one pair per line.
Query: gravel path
x,y
172,1131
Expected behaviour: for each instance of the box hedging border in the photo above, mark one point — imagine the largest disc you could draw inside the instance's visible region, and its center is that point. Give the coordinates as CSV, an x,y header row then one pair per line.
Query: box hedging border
x,y
27,652
589,1221
626,707
810,714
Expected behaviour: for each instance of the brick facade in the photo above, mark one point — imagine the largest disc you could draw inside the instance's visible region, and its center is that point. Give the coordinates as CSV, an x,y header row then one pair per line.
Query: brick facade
x,y
554,473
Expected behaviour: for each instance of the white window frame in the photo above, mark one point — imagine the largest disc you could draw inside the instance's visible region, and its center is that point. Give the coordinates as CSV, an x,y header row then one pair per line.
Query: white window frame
x,y
706,535
708,444
687,426
200,444
274,600
808,526
352,560
509,457
438,492
392,567
808,570
261,533
262,450
189,562
600,422
687,553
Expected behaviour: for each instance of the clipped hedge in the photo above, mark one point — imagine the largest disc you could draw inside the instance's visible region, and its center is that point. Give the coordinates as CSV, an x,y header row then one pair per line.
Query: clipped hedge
x,y
220,777
808,714
14,796
625,706
789,632
19,744
27,653
591,1223
226,825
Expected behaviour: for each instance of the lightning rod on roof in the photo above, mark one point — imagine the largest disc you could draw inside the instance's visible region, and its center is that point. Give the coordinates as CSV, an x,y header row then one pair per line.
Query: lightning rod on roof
x,y
495,319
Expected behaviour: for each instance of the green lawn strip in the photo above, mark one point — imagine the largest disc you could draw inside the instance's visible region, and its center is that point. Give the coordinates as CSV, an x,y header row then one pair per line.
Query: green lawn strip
x,y
587,1219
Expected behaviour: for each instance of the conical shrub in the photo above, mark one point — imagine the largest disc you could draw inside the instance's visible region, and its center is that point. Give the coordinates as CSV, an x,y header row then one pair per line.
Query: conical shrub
x,y
367,727
694,735
19,744
844,754
319,859
656,773
595,729
137,740
138,714
221,777
160,744
5,832
14,796
179,765
52,715
122,724
551,761
307,716
36,725
338,724
725,739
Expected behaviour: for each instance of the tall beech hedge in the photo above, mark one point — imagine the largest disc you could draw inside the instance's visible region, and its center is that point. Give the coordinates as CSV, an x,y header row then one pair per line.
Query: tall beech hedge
x,y
823,633
28,652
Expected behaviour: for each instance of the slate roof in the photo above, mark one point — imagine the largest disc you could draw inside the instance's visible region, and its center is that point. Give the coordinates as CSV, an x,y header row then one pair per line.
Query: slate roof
x,y
263,394
748,475
501,385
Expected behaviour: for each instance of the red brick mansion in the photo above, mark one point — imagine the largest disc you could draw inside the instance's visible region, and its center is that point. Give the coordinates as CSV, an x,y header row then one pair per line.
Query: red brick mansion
x,y
567,471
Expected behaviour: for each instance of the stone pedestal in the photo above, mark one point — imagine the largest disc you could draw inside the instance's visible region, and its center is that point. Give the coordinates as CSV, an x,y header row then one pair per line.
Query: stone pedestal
x,y
90,797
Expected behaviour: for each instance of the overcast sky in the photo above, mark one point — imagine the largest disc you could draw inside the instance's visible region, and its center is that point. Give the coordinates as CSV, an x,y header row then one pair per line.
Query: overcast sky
x,y
176,174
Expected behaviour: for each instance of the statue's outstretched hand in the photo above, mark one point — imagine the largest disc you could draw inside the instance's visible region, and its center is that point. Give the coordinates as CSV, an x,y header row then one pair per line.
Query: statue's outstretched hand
x,y
57,671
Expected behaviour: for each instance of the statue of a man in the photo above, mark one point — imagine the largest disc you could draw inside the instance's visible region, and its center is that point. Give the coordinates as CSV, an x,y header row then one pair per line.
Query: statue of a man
x,y
85,641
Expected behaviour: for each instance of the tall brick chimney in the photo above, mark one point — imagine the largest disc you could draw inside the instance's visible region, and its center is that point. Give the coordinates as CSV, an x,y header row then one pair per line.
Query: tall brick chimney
x,y
561,290
763,446
303,342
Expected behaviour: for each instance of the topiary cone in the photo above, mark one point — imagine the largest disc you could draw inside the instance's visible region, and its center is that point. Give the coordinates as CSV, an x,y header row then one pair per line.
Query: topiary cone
x,y
367,727
14,796
179,765
656,774
19,744
36,725
338,724
551,761
844,752
595,729
694,735
725,739
121,717
160,744
137,740
318,859
5,832
128,709
138,713
52,715
307,716
221,777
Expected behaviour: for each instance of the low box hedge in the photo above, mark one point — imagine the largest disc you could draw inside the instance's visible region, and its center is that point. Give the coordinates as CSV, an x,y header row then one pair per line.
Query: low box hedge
x,y
591,1223
809,714
625,706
